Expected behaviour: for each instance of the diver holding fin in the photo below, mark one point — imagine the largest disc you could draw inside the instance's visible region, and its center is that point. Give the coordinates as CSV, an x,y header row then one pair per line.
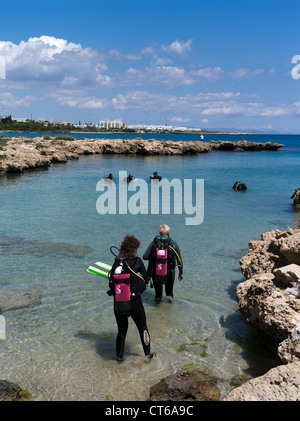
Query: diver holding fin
x,y
127,281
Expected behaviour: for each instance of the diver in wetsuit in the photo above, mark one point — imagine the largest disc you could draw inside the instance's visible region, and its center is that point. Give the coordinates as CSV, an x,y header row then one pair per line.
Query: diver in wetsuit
x,y
155,176
174,259
128,259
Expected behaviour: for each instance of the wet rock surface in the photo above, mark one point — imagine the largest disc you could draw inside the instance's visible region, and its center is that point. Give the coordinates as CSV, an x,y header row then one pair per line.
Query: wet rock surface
x,y
12,392
186,386
269,300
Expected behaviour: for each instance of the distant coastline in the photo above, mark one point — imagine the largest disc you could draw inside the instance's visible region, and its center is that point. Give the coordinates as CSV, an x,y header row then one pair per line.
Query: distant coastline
x,y
135,132
9,125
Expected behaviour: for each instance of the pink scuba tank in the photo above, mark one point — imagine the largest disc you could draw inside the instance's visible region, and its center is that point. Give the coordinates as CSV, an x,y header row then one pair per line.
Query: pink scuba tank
x,y
161,267
122,293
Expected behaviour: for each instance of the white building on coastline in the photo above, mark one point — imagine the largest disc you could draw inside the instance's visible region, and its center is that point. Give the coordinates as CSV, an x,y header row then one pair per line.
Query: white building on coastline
x,y
115,124
154,127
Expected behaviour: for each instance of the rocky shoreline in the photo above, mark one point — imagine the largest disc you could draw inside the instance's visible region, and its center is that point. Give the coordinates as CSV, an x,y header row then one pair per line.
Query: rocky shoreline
x,y
18,154
269,300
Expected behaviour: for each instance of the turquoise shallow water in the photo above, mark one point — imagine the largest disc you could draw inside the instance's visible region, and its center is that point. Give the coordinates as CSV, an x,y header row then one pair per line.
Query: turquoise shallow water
x,y
64,347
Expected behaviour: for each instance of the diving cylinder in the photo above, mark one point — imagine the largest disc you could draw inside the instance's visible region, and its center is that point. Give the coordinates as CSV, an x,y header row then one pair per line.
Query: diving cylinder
x,y
122,292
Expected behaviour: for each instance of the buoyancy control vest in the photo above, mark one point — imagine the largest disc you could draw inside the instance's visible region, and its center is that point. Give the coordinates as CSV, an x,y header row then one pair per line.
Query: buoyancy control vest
x,y
125,285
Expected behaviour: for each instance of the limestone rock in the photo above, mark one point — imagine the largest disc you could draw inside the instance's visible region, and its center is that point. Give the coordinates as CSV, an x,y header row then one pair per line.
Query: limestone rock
x,y
290,248
268,308
23,153
264,254
281,383
288,275
289,350
269,299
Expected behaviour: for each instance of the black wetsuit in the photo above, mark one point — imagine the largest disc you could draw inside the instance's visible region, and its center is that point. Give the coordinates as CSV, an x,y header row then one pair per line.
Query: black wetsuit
x,y
137,308
150,255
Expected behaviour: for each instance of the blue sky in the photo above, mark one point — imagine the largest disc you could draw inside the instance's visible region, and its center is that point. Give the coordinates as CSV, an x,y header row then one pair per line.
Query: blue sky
x,y
205,64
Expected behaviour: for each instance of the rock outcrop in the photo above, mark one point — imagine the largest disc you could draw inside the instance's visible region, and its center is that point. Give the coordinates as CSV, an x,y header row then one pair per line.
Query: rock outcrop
x,y
279,384
269,300
21,153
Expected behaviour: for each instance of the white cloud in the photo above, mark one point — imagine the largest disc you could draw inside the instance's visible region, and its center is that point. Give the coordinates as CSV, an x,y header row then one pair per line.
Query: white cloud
x,y
50,59
46,61
181,120
120,56
245,73
9,101
191,103
184,108
155,76
209,73
73,74
148,50
75,100
162,61
234,108
178,48
222,104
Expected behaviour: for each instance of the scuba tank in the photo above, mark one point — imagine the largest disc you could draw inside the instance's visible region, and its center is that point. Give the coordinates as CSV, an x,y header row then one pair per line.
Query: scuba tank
x,y
161,266
161,261
121,288
164,257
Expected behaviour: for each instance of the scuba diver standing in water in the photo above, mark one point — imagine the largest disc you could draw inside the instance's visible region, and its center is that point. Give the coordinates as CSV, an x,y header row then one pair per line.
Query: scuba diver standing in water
x,y
127,281
164,255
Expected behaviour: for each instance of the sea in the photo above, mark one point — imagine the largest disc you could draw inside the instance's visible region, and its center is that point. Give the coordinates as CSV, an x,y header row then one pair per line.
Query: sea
x,y
62,347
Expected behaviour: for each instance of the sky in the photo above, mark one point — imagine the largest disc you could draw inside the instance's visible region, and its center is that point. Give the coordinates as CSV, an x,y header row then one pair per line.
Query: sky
x,y
210,64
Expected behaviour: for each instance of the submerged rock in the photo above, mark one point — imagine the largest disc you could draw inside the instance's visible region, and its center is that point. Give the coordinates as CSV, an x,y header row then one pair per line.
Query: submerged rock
x,y
186,386
10,245
13,300
12,392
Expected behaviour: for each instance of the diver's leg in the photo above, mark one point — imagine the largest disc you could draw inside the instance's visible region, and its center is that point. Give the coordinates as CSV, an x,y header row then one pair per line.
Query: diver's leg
x,y
122,322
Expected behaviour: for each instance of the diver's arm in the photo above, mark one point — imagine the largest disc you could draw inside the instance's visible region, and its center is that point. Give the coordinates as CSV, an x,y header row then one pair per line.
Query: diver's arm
x,y
147,254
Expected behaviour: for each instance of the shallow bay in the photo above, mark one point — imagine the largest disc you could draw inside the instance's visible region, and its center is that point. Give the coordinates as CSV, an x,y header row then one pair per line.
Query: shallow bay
x,y
63,347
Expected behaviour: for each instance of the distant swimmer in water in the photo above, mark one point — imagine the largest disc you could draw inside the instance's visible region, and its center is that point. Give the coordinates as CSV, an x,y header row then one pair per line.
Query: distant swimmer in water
x,y
155,176
110,177
239,186
129,178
